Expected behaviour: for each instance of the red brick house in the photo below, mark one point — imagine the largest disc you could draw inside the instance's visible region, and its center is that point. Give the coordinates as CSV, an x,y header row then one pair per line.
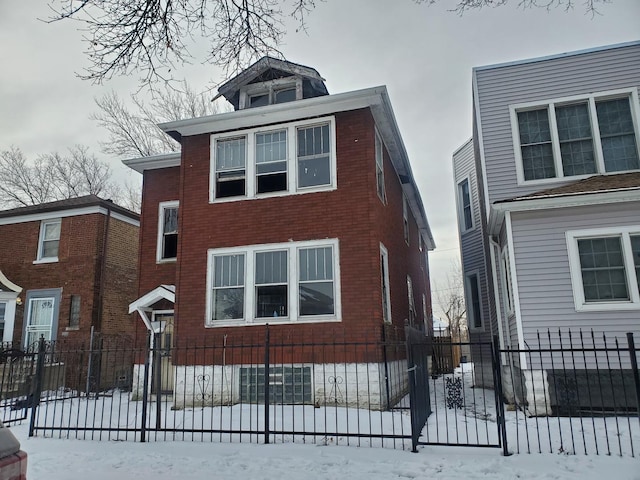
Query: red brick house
x,y
67,267
298,210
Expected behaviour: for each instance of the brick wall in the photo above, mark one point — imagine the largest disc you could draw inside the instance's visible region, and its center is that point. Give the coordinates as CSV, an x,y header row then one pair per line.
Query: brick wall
x,y
353,213
77,271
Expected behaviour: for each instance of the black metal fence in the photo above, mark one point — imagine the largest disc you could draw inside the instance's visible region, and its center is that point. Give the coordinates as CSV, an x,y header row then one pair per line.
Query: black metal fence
x,y
574,392
569,393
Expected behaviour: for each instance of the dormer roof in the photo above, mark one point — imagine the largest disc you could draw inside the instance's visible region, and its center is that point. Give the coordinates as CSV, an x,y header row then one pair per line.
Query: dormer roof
x,y
269,69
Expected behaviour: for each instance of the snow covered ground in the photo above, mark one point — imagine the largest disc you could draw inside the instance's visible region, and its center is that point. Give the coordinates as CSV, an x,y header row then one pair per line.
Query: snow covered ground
x,y
327,458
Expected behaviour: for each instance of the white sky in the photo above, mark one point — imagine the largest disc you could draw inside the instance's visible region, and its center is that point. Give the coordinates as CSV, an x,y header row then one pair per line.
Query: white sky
x,y
424,55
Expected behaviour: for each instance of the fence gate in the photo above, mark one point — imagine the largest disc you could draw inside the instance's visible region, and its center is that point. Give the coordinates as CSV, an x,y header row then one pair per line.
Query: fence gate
x,y
17,373
458,406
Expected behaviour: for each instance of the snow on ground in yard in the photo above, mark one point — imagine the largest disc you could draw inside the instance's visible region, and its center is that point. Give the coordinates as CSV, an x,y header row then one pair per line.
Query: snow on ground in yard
x,y
61,458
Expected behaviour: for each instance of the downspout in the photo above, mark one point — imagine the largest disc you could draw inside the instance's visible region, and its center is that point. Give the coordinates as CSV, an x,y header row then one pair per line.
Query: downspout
x,y
103,267
496,294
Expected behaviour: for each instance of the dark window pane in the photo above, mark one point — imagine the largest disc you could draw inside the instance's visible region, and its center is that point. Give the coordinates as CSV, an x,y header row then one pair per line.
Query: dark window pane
x,y
316,298
272,183
228,303
635,249
287,95
271,301
603,270
271,267
314,172
50,248
170,249
230,188
617,135
475,301
259,100
74,311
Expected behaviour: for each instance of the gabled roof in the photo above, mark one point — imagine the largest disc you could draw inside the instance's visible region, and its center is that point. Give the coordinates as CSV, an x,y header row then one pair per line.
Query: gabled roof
x,y
269,68
595,184
69,204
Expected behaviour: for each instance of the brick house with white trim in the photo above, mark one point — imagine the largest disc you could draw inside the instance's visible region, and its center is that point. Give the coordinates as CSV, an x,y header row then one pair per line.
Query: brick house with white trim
x,y
298,210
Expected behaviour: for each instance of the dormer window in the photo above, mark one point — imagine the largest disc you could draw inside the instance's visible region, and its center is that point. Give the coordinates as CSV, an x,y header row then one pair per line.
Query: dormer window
x,y
281,90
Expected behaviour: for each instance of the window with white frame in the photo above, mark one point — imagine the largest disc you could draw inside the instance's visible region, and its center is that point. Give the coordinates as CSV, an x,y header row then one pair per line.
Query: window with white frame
x,y
3,310
49,242
605,268
474,311
380,167
271,92
296,281
167,246
506,280
384,274
230,167
412,304
405,218
577,136
464,205
296,157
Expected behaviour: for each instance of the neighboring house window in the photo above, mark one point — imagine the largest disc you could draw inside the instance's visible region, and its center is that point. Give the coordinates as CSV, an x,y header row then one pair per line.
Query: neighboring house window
x,y
464,202
167,231
49,243
424,312
380,167
386,295
289,282
587,135
412,305
3,311
74,312
297,157
507,285
405,218
474,313
605,268
231,159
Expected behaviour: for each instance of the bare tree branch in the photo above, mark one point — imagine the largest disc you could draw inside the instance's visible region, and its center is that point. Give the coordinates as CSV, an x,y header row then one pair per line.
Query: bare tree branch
x,y
53,177
134,132
591,7
450,299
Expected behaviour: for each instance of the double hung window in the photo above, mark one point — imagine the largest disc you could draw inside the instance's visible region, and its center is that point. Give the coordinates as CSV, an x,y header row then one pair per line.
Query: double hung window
x,y
167,248
577,136
292,158
605,268
464,206
290,282
49,242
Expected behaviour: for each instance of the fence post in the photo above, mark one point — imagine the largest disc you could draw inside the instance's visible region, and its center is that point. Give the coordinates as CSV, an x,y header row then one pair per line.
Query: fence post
x,y
37,390
266,385
634,367
145,390
497,369
157,377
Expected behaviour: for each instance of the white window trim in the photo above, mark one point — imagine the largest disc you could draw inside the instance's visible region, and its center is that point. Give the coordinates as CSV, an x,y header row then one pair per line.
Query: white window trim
x,y
469,303
625,232
631,93
40,258
405,219
379,155
162,206
292,160
384,256
507,283
292,249
461,206
269,88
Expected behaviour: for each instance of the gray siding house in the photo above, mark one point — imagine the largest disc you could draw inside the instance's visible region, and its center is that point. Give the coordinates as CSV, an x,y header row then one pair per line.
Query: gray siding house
x,y
548,194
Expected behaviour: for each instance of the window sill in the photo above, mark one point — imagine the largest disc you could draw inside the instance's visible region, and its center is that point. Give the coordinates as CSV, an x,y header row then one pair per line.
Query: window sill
x,y
46,260
270,321
166,260
283,193
607,306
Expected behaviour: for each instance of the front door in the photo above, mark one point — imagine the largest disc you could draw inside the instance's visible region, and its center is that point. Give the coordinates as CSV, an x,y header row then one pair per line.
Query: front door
x,y
165,344
39,320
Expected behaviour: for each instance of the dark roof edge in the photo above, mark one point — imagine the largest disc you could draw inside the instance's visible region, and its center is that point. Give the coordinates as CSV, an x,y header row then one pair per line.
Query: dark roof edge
x,y
60,205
